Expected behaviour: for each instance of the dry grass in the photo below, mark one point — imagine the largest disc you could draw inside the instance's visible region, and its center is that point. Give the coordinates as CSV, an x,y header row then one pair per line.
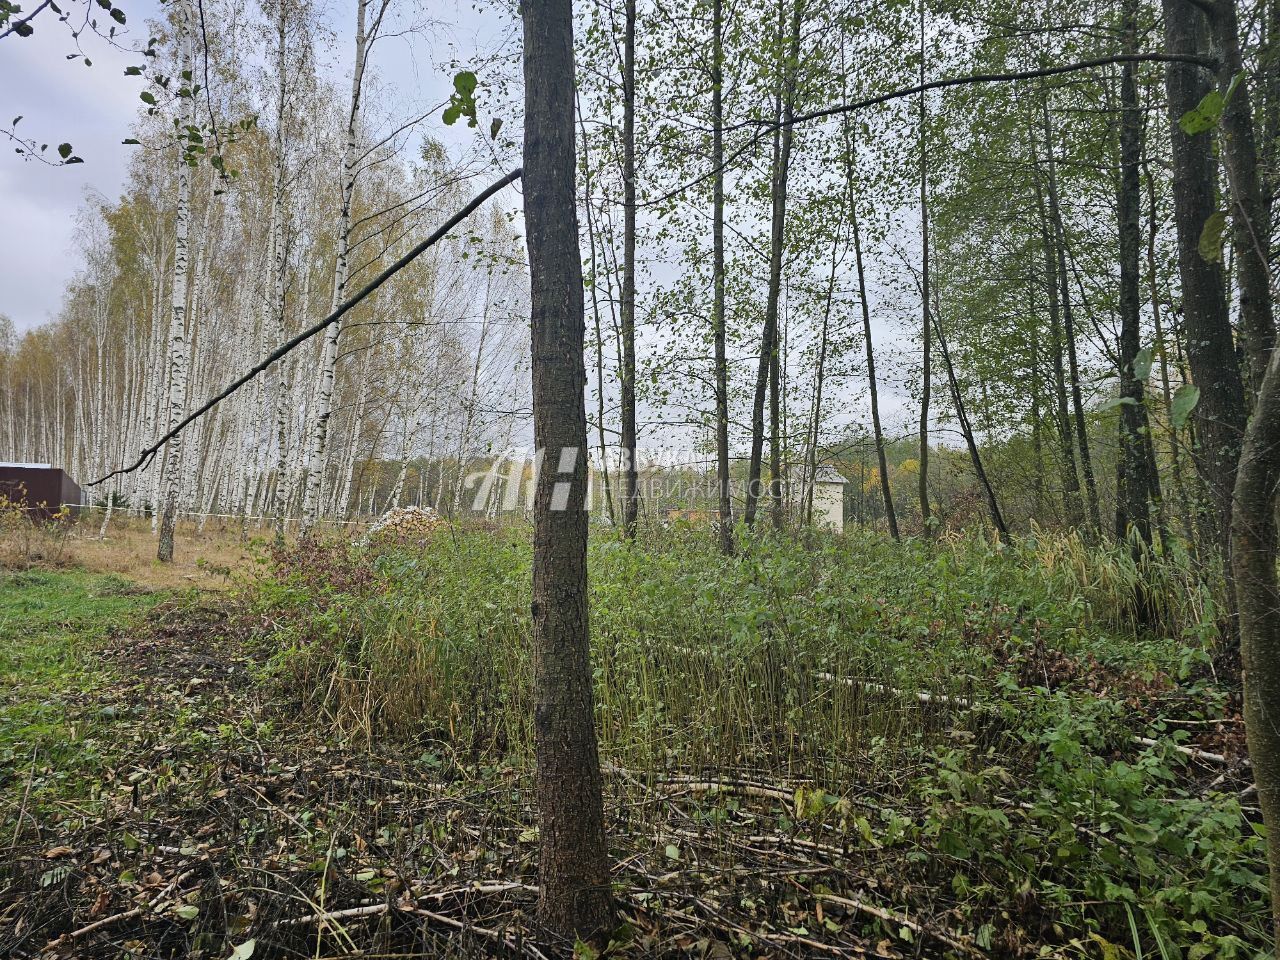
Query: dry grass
x,y
201,558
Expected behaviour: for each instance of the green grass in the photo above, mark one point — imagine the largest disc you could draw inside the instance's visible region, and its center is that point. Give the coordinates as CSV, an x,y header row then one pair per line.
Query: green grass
x,y
1037,800
50,625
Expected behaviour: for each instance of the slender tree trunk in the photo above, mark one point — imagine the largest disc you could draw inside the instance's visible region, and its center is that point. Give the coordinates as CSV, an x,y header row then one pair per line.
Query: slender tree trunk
x,y
766,374
1132,481
718,279
886,491
1037,444
318,446
178,316
278,257
926,351
630,485
1068,325
1071,500
1220,412
819,379
595,312
966,429
1162,354
574,894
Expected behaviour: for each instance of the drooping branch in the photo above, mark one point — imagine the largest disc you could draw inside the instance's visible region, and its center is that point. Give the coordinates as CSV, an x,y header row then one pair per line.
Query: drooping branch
x,y
764,126
972,78
149,453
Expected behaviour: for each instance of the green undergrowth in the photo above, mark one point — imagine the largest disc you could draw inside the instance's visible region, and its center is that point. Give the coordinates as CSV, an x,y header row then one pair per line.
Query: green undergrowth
x,y
51,623
965,712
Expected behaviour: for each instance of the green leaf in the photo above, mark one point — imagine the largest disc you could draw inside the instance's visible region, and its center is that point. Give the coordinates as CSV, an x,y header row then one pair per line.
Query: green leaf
x,y
462,102
244,951
1204,116
1142,364
1210,245
187,911
672,852
1184,401
146,96
1117,402
64,150
494,127
464,82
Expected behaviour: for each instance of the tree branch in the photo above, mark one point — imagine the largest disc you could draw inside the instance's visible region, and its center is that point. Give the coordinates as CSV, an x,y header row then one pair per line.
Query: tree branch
x,y
765,126
149,453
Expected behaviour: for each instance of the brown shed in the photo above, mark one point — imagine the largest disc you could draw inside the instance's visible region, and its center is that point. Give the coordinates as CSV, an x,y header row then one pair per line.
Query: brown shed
x,y
42,487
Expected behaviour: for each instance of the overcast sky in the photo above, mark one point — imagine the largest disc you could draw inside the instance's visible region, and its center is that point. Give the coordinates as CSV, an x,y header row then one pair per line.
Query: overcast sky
x,y
60,100
92,107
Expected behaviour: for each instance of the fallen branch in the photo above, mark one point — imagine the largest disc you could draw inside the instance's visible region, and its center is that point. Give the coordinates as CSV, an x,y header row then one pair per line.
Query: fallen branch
x,y
148,907
373,909
677,783
1192,752
919,929
923,696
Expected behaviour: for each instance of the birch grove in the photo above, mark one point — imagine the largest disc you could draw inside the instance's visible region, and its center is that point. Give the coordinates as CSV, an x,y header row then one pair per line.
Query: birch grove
x,y
191,276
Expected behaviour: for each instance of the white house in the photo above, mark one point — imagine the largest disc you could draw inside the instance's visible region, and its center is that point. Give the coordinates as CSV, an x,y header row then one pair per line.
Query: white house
x,y
828,499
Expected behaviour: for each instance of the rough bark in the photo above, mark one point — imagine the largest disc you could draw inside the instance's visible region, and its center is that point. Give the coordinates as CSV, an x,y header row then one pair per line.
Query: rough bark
x,y
574,895
1219,415
1251,228
1132,482
1255,553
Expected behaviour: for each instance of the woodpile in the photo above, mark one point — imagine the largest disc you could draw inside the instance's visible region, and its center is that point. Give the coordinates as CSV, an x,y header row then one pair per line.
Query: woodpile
x,y
404,525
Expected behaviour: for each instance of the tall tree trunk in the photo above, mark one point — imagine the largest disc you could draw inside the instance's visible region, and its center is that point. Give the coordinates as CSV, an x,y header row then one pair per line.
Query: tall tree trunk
x,y
1251,226
1220,413
278,257
1254,557
1037,444
1071,500
317,449
966,429
717,280
574,868
630,491
178,315
926,347
886,491
1132,481
819,380
1162,353
1068,324
766,374
595,312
